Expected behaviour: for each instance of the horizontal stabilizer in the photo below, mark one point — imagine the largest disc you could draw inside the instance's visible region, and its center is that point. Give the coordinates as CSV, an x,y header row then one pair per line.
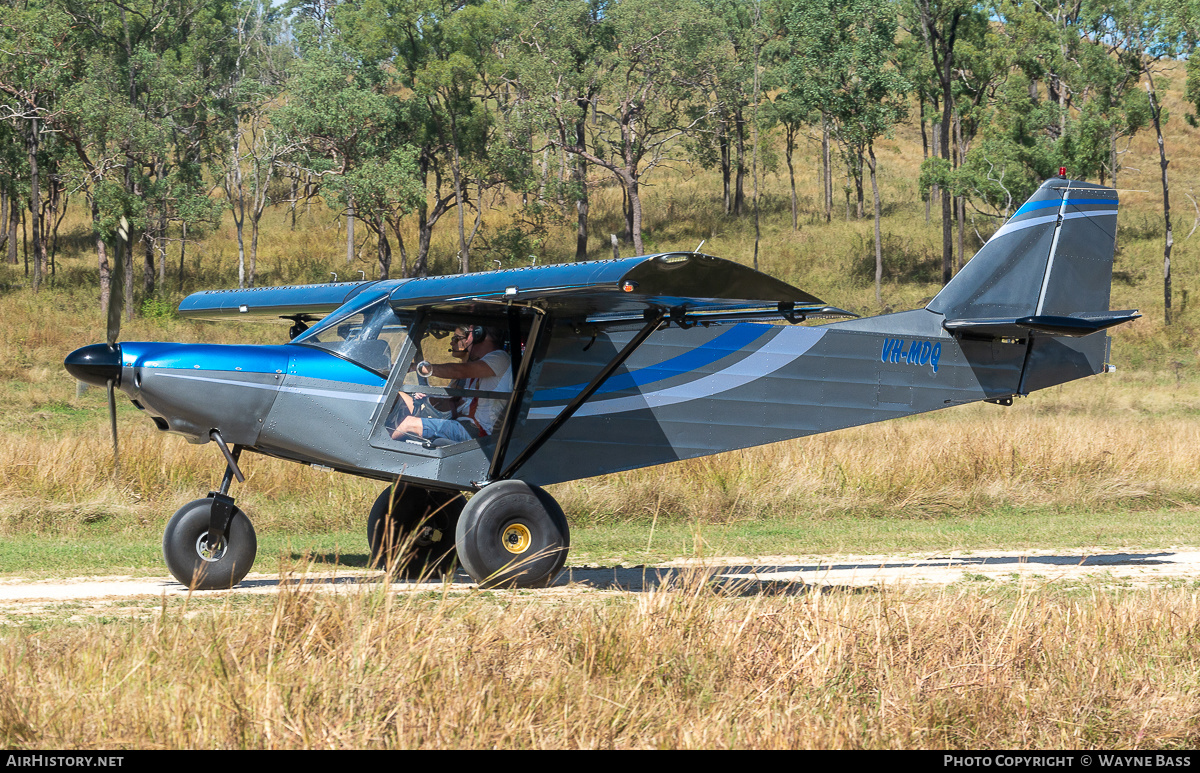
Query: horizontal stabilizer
x,y
1074,326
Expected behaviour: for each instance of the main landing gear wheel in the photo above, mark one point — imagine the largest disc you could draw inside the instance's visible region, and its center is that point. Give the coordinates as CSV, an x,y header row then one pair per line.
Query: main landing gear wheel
x,y
513,535
202,563
411,531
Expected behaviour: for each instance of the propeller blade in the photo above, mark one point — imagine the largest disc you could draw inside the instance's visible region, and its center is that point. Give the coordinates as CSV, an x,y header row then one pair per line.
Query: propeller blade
x,y
112,415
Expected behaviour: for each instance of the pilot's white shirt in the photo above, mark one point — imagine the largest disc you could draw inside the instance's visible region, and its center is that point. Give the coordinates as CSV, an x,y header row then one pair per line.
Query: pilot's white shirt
x,y
490,410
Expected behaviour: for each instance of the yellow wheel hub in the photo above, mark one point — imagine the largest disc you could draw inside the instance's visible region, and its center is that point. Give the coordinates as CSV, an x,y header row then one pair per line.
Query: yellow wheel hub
x,y
516,538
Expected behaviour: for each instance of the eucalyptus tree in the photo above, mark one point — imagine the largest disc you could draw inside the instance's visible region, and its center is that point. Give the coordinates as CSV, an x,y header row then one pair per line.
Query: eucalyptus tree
x,y
984,64
651,93
342,121
793,115
938,23
843,49
152,68
912,60
555,65
445,55
1091,95
34,70
1150,34
254,147
733,94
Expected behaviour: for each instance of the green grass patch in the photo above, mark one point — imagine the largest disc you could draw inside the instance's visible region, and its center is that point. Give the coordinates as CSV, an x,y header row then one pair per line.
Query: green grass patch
x,y
138,552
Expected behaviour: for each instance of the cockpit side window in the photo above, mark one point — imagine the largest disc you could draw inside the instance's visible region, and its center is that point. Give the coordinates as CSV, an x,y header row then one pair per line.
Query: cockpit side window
x,y
372,336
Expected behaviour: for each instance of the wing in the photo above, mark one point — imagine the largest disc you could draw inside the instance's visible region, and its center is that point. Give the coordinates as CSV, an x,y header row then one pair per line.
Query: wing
x,y
689,285
271,304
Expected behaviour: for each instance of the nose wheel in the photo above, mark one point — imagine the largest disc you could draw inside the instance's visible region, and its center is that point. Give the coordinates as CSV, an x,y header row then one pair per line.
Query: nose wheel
x,y
201,557
513,535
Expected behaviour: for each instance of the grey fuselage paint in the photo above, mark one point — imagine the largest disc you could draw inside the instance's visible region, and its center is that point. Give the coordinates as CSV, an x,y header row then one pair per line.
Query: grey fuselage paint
x,y
683,394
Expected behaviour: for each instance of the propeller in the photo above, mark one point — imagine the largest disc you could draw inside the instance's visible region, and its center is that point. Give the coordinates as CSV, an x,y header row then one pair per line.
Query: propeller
x,y
100,364
116,307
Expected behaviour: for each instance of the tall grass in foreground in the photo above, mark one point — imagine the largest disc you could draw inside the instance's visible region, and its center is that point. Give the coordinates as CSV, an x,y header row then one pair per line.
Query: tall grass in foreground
x,y
685,666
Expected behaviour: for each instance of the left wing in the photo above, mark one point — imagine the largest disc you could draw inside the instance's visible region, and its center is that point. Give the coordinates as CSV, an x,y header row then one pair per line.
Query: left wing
x,y
272,304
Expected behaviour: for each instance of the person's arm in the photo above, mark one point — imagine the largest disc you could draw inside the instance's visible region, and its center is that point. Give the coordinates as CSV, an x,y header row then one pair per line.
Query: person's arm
x,y
463,370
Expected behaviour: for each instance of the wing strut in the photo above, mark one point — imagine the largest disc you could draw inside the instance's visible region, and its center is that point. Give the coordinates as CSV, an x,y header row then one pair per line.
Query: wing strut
x,y
509,422
653,320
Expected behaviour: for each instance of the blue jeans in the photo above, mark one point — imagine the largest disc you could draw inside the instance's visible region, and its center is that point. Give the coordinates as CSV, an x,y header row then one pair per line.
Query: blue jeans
x,y
447,428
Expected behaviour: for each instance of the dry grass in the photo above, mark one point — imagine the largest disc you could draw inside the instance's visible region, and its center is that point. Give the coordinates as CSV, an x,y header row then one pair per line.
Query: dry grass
x,y
681,667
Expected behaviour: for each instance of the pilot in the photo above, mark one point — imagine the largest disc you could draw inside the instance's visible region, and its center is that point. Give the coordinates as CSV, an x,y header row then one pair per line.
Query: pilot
x,y
483,366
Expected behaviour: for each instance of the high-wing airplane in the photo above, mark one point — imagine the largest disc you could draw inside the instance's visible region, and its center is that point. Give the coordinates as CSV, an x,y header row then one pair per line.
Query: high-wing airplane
x,y
613,365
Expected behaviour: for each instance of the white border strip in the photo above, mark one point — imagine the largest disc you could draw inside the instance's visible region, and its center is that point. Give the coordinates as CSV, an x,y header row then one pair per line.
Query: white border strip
x,y
330,393
786,347
1011,227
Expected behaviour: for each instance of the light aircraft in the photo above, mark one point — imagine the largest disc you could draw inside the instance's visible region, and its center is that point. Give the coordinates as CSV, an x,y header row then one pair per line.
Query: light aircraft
x,y
615,365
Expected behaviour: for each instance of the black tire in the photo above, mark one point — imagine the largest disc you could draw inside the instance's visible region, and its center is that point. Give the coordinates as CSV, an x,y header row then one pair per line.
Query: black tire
x,y
184,543
412,532
513,535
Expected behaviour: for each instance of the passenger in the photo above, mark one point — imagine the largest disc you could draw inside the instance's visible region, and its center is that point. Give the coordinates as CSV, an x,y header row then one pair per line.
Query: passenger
x,y
485,367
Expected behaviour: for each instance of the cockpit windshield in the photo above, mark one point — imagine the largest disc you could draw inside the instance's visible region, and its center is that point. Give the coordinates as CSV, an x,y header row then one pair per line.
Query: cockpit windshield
x,y
367,333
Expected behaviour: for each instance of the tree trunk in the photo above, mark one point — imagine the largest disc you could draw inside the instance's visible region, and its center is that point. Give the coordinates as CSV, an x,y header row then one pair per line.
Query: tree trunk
x,y
424,236
1169,241
464,249
935,190
14,225
947,217
726,169
148,265
961,216
878,236
635,216
253,274
400,246
826,170
350,232
1112,158
631,236
35,197
924,147
789,150
581,203
102,260
739,181
239,225
859,208
384,250
127,265
182,251
6,201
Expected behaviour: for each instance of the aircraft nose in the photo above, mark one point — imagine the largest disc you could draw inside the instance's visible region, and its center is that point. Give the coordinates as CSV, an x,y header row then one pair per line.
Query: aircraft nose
x,y
96,364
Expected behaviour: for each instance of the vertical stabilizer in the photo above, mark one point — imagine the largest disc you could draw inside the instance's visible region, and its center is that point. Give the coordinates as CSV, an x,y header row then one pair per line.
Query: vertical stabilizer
x,y
1053,257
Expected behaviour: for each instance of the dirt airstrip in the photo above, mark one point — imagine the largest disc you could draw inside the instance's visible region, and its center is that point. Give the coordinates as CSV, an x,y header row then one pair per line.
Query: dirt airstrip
x,y
770,574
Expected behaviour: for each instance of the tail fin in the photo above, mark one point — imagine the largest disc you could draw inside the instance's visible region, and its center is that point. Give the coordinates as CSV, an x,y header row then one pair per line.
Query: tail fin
x,y
1043,280
1053,258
